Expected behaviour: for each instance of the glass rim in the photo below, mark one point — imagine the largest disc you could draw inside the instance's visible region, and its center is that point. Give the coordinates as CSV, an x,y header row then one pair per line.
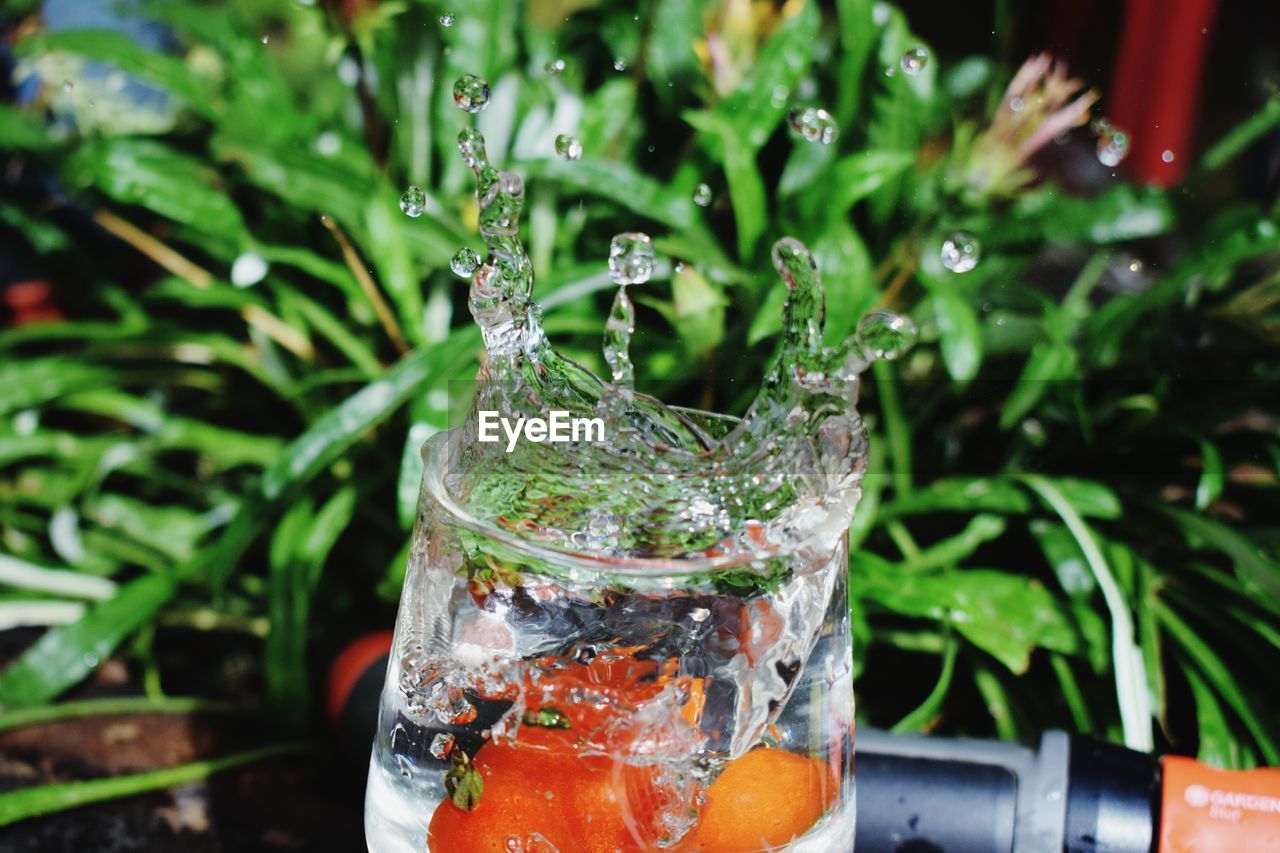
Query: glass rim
x,y
433,459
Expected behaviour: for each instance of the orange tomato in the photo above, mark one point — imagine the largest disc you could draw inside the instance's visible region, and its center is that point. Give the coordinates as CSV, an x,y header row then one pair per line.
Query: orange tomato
x,y
761,801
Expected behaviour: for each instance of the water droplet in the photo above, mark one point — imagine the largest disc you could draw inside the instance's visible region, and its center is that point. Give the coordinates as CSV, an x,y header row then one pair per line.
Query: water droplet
x,y
554,67
471,93
1135,265
631,258
702,196
619,64
1167,156
248,269
814,124
880,14
914,60
266,39
465,262
1113,147
1016,104
442,745
67,85
568,147
446,20
960,252
413,202
618,330
885,335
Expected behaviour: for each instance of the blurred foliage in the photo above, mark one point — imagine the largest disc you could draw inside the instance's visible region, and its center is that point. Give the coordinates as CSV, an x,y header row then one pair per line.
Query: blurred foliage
x,y
1070,518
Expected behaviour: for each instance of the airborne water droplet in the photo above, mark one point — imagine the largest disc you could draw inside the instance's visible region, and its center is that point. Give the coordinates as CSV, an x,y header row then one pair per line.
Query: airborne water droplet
x,y
413,202
67,86
471,93
619,64
885,335
568,147
631,258
446,20
702,195
914,60
814,124
554,67
1113,146
960,252
442,745
1167,156
465,262
266,39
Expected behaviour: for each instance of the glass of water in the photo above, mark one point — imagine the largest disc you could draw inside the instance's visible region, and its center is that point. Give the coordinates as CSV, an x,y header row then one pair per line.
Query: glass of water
x,y
542,698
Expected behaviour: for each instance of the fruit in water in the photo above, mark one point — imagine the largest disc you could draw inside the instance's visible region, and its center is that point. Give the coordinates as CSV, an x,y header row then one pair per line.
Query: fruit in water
x,y
762,801
594,804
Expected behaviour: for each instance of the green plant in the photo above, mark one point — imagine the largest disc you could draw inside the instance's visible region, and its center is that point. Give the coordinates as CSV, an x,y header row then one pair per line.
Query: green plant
x,y
1070,515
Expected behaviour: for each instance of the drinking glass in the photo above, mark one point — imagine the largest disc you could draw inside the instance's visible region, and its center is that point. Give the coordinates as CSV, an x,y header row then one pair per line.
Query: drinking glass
x,y
539,698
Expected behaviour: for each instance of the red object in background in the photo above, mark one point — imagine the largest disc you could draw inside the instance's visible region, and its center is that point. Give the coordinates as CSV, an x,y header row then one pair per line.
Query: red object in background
x,y
1155,90
352,663
30,302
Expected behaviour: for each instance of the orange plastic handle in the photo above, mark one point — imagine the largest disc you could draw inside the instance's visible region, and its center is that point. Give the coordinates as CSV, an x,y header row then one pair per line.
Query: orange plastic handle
x,y
1206,810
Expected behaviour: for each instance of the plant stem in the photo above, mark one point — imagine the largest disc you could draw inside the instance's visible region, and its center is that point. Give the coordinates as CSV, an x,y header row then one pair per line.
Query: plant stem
x,y
925,716
380,308
896,427
111,706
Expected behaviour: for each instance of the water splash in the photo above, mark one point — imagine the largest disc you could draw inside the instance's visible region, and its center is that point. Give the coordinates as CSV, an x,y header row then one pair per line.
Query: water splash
x,y
702,195
1113,147
680,484
470,93
960,252
568,147
554,67
414,202
914,60
814,124
464,262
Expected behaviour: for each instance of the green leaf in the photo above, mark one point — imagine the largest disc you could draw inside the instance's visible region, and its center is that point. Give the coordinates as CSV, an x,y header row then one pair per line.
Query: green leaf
x,y
65,655
961,336
49,799
927,711
1220,677
151,174
299,548
982,528
1048,364
330,436
961,494
670,61
754,110
621,184
1005,615
21,132
1063,553
1123,213
746,187
33,381
1218,748
1242,136
1251,563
